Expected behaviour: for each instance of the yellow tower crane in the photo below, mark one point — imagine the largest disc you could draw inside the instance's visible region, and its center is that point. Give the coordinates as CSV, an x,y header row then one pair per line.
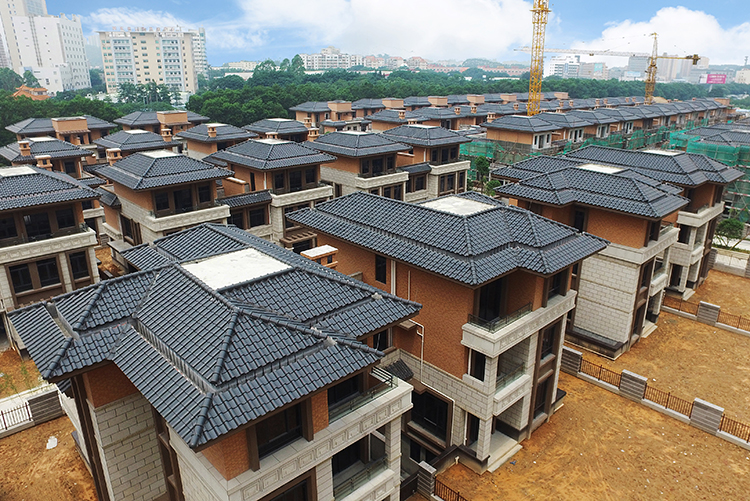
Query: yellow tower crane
x,y
540,13
651,70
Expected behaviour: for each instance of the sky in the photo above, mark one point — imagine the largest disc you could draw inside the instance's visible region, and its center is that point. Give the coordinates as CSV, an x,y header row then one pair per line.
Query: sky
x,y
256,30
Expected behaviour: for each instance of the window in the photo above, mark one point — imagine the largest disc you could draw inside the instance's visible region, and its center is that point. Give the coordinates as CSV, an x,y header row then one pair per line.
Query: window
x,y
447,183
377,166
430,413
343,391
65,218
337,192
540,400
296,493
21,278
365,166
79,266
295,180
684,236
257,217
310,177
161,201
204,193
556,283
183,200
579,220
278,430
380,269
237,219
492,301
37,225
382,340
434,156
47,269
477,363
70,168
346,458
252,181
548,341
127,227
461,181
278,181
653,231
8,228
418,453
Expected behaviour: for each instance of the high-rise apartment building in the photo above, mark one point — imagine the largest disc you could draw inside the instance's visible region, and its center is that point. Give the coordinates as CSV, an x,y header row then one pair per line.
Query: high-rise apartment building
x,y
51,47
564,66
169,56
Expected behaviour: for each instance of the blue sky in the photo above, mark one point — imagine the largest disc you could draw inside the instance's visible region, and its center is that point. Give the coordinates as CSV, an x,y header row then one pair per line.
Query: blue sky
x,y
259,29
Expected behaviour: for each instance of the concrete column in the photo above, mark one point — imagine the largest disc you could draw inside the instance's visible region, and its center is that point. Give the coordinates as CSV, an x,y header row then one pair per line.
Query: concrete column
x,y
483,442
712,258
65,277
632,385
94,268
458,430
747,269
324,480
393,444
425,480
706,416
708,313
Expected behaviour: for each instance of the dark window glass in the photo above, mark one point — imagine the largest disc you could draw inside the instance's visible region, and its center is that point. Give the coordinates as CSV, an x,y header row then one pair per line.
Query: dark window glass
x,y
346,458
434,156
65,218
387,192
684,236
541,398
296,493
161,201
278,430
79,266
381,341
295,180
365,166
183,200
236,219
252,181
548,341
555,284
409,186
21,278
337,190
454,153
204,194
257,217
397,192
389,163
221,146
461,180
70,168
579,220
8,228
491,301
472,432
310,177
430,413
87,204
380,269
343,391
377,166
419,183
47,269
478,362
444,155
278,181
127,227
37,225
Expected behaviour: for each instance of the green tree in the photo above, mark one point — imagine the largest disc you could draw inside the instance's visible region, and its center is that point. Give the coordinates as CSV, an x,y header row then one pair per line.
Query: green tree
x,y
9,79
97,80
482,166
284,65
128,93
489,187
297,67
30,80
729,229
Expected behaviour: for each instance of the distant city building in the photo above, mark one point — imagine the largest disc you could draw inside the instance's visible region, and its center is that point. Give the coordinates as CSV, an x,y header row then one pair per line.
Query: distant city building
x,y
51,47
241,65
170,56
637,64
593,71
742,76
331,58
564,66
93,50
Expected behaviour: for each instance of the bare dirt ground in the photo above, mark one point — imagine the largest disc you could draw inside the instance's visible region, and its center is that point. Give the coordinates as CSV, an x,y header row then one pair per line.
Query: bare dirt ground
x,y
730,292
17,375
30,472
105,257
601,446
691,359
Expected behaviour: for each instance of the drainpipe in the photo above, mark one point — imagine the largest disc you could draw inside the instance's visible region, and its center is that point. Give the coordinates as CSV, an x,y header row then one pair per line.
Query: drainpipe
x,y
421,352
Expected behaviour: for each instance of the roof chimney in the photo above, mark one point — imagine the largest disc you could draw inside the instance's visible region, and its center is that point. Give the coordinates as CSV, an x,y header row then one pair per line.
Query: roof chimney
x,y
491,117
308,122
24,148
570,103
113,155
312,134
473,108
273,135
166,134
75,139
515,106
44,161
324,255
597,102
401,114
211,131
411,121
457,110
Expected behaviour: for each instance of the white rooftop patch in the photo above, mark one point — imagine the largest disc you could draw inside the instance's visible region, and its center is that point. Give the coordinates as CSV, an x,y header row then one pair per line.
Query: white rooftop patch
x,y
319,251
160,154
22,170
605,169
136,131
422,126
272,141
458,205
666,153
41,139
355,132
233,268
215,124
281,120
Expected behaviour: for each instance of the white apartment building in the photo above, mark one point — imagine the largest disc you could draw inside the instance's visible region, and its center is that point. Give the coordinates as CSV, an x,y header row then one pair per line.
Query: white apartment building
x,y
170,56
563,66
331,58
8,49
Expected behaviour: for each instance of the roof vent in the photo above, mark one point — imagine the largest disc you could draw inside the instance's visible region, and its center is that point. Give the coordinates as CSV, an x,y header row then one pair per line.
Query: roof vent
x,y
515,106
491,117
211,131
411,121
44,162
166,135
272,135
329,341
401,114
376,296
457,110
113,155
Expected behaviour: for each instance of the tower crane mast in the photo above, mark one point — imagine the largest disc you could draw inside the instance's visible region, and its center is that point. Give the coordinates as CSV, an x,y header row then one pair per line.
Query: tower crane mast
x,y
539,13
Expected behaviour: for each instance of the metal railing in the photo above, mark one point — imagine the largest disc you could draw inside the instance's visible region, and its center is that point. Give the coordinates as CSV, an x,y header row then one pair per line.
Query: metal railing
x,y
25,239
601,373
446,493
668,401
680,305
184,210
387,382
304,187
665,229
384,172
736,321
15,416
360,478
733,427
505,378
499,323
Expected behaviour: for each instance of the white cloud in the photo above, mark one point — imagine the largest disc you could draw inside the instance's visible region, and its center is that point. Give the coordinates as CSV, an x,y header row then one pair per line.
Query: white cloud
x,y
681,31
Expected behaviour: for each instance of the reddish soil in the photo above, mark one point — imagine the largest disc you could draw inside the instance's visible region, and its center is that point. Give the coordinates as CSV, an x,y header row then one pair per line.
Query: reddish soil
x,y
18,375
104,255
730,292
30,472
601,446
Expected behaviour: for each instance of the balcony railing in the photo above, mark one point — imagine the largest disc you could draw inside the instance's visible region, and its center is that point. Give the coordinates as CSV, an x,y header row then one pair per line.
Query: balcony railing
x,y
184,210
665,229
24,239
309,186
384,172
370,471
387,383
508,376
696,210
499,323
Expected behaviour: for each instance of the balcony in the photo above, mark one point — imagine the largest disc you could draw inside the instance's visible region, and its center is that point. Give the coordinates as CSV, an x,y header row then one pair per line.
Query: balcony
x,y
24,239
699,216
195,216
387,383
357,476
75,238
508,376
366,182
499,323
283,198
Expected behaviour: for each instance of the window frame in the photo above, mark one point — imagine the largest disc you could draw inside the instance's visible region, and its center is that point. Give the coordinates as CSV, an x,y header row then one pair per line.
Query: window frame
x,y
381,269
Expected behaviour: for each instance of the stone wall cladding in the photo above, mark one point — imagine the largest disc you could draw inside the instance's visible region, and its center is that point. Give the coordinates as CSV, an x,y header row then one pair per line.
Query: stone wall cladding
x,y
708,313
632,385
706,416
128,448
571,360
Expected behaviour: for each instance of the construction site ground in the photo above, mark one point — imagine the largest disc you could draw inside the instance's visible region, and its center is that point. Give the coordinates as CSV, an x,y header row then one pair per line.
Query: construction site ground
x,y
16,375
104,254
600,446
691,359
31,472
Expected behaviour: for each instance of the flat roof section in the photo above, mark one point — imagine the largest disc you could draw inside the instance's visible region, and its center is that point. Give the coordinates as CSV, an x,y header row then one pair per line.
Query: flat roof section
x,y
457,205
225,270
21,170
599,168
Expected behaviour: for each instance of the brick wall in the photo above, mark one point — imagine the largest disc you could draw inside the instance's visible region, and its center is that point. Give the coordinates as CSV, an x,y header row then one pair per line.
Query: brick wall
x,y
320,411
128,448
107,384
230,456
618,228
